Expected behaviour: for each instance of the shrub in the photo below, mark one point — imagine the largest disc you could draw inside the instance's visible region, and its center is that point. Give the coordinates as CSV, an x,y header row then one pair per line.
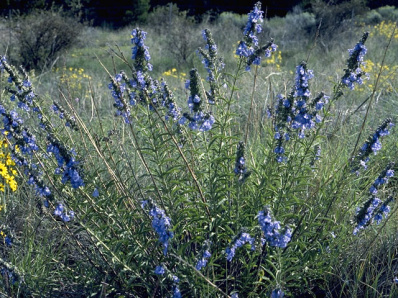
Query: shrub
x,y
388,13
373,17
384,13
337,16
44,35
231,19
178,29
299,23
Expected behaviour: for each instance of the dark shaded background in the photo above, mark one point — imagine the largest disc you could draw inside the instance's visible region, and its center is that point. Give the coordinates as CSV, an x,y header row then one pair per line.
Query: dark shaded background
x,y
116,13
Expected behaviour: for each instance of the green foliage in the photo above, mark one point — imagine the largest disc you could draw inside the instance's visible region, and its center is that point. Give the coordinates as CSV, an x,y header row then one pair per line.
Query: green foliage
x,y
141,9
111,247
333,14
42,36
180,32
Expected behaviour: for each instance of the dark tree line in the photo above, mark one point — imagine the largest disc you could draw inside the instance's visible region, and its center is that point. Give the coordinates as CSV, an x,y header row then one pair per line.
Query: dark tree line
x,y
117,13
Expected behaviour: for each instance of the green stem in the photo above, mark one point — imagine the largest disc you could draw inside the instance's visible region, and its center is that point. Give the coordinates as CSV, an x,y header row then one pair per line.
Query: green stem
x,y
251,104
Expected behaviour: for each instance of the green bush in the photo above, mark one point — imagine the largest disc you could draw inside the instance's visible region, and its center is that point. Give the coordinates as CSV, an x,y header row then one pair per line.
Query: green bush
x,y
299,23
178,31
388,13
337,16
42,36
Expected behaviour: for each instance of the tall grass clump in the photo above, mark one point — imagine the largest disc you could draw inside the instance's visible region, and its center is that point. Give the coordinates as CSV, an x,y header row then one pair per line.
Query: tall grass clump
x,y
197,197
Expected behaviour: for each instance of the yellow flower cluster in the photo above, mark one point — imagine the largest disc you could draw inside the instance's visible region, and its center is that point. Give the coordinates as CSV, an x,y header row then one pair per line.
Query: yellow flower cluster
x,y
384,29
275,60
175,74
72,76
7,170
388,73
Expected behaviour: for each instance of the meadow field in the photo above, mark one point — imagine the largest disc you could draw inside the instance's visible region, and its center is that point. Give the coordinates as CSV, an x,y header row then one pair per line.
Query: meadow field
x,y
229,156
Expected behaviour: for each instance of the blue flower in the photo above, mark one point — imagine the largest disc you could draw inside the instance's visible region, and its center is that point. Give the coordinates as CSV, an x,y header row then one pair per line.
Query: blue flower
x,y
159,270
353,73
27,83
7,241
140,52
297,111
176,292
277,293
144,203
382,179
370,212
303,75
66,162
279,150
203,260
255,17
65,217
303,117
198,119
372,144
59,209
176,280
42,191
95,193
384,210
271,230
141,79
243,50
240,241
240,166
161,224
249,48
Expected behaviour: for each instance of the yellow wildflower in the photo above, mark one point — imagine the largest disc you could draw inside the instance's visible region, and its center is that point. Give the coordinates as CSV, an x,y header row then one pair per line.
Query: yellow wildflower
x,y
384,29
7,172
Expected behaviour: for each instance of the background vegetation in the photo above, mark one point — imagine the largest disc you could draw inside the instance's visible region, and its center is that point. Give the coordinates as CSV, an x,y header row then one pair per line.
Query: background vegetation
x,y
116,14
111,245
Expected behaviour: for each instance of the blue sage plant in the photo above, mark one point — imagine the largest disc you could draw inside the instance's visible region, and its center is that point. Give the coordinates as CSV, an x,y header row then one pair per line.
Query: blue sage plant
x,y
157,201
140,52
24,147
297,112
273,234
238,242
67,164
354,73
371,145
160,223
204,256
249,49
374,209
213,65
198,117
